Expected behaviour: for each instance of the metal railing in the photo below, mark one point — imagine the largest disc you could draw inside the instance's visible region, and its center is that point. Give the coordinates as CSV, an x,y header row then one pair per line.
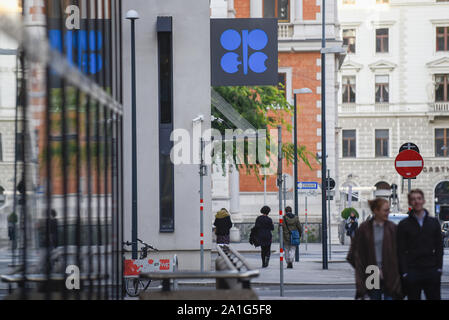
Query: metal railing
x,y
232,272
68,173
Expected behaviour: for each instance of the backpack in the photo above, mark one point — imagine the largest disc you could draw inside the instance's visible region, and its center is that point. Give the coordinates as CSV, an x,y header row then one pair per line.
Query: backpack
x,y
295,237
253,237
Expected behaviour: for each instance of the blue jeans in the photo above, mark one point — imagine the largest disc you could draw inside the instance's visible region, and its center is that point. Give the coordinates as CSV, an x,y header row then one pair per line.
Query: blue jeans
x,y
378,294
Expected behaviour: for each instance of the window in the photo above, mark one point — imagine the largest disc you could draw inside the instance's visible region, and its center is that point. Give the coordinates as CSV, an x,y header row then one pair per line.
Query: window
x,y
349,144
442,88
282,83
19,146
443,39
349,39
382,40
441,142
1,148
382,89
348,89
382,137
166,169
277,9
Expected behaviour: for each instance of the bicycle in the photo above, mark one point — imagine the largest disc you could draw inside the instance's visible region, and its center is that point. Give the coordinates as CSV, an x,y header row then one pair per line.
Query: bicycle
x,y
133,267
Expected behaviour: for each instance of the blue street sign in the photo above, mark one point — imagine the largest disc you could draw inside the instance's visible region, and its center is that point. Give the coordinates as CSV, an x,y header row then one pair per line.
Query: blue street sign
x,y
244,52
437,208
307,185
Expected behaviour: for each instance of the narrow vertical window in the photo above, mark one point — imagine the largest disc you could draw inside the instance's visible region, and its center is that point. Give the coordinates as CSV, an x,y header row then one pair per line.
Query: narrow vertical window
x,y
382,89
441,142
277,9
443,39
282,83
442,88
382,137
166,170
348,89
382,40
349,148
349,39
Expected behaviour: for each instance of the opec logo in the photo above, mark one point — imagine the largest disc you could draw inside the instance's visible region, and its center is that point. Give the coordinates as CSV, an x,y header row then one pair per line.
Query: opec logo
x,y
244,52
231,40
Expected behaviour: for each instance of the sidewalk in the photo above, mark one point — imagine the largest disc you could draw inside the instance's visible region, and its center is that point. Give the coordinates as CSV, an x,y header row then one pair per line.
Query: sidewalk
x,y
309,270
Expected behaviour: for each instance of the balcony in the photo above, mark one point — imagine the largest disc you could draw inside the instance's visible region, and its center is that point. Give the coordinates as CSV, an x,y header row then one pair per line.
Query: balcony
x,y
438,110
440,107
382,107
285,31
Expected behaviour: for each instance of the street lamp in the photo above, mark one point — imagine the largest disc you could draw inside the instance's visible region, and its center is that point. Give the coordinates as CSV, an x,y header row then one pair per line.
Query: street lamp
x,y
132,15
295,142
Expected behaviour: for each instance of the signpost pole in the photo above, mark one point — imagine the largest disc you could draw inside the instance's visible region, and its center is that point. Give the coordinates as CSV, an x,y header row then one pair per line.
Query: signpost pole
x,y
323,136
133,16
295,166
409,185
307,225
329,212
202,173
281,240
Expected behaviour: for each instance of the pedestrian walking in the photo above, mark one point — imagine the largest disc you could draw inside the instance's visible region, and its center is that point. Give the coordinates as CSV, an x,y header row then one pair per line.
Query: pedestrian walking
x,y
12,227
351,226
264,226
420,250
374,244
53,229
291,229
222,225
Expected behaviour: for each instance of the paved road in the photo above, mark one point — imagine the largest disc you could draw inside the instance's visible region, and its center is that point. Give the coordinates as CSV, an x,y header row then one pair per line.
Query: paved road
x,y
319,292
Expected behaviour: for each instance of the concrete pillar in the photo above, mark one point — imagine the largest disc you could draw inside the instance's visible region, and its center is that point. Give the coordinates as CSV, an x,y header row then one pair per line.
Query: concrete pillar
x,y
234,185
255,9
297,7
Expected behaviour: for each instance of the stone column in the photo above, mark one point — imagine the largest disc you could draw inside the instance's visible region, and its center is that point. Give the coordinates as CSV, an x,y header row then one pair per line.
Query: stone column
x,y
255,9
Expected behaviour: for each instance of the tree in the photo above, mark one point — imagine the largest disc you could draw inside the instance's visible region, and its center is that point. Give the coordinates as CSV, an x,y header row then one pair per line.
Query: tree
x,y
264,107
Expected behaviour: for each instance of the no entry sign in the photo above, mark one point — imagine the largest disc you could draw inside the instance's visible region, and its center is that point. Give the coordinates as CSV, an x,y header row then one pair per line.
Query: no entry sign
x,y
409,163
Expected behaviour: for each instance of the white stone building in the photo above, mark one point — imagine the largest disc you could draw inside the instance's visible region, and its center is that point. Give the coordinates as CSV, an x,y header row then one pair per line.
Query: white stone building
x,y
394,89
7,127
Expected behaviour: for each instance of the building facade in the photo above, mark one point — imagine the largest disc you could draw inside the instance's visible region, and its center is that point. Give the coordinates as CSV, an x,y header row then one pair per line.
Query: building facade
x,y
299,44
173,89
394,87
8,67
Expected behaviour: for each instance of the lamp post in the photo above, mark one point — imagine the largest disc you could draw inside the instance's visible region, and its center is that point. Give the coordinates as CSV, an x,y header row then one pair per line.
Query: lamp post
x,y
132,15
295,142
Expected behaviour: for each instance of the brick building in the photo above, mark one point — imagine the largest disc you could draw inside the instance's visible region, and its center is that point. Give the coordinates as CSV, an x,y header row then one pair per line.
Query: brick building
x,y
299,38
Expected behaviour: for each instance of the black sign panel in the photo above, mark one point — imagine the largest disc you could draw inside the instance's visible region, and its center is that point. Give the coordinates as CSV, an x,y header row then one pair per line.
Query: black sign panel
x,y
409,146
329,184
244,52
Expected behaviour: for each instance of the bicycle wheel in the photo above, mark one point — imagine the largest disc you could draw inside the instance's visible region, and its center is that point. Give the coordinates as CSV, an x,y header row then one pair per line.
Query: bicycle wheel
x,y
133,287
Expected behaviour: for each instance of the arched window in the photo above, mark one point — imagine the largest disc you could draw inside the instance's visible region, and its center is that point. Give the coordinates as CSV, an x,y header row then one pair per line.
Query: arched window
x,y
382,185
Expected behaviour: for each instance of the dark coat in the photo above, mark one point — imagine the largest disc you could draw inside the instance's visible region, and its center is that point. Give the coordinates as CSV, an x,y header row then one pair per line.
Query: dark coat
x,y
264,226
222,223
362,254
290,223
419,248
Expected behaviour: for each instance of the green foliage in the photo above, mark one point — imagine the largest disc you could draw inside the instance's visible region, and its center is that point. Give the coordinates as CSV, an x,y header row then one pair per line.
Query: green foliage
x,y
12,217
264,107
347,212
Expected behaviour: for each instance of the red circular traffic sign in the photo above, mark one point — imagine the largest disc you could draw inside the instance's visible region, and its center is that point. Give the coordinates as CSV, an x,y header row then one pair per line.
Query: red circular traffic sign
x,y
409,163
